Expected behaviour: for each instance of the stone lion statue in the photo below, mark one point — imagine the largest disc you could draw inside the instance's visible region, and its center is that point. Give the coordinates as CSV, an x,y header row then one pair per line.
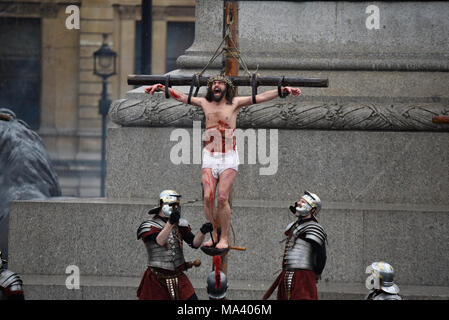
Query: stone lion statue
x,y
25,169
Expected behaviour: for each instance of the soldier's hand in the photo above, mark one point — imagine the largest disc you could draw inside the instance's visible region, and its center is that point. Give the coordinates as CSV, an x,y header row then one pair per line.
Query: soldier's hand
x,y
293,208
174,217
207,227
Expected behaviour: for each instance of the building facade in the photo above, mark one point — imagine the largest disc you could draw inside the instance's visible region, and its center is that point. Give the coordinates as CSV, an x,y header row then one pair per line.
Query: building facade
x,y
46,70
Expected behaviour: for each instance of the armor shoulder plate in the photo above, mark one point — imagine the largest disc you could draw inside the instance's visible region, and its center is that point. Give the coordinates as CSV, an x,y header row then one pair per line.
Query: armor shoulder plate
x,y
311,230
9,279
183,223
146,226
289,226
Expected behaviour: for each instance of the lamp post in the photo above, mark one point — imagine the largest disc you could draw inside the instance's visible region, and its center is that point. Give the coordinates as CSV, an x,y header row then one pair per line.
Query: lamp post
x,y
104,66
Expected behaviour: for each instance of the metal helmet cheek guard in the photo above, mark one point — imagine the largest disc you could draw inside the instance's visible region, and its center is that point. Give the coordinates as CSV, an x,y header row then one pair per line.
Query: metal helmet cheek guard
x,y
301,211
167,199
313,201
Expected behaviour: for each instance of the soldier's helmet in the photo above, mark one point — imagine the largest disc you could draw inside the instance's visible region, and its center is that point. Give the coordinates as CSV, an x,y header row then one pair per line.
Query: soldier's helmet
x,y
381,277
217,292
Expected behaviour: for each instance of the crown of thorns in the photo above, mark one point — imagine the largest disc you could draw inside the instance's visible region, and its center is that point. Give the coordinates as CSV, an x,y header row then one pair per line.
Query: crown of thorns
x,y
219,78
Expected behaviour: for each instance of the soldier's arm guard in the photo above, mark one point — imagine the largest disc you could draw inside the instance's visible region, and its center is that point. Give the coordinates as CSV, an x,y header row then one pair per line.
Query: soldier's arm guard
x,y
188,238
315,235
321,258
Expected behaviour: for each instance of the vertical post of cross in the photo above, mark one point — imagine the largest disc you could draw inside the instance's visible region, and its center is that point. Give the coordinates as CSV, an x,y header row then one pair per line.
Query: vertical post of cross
x,y
231,20
231,69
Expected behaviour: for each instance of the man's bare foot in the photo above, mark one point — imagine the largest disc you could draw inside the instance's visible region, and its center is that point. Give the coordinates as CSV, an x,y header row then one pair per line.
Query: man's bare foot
x,y
211,242
208,243
222,244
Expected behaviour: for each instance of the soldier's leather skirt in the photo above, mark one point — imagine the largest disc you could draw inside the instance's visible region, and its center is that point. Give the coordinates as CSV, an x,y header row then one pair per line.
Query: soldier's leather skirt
x,y
295,285
160,284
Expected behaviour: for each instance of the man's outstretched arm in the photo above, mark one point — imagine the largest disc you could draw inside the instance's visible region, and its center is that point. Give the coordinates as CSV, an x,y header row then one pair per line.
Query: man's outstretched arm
x,y
175,94
267,96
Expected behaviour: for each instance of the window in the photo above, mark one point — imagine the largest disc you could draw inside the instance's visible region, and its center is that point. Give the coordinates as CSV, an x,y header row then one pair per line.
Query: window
x,y
20,68
180,36
138,48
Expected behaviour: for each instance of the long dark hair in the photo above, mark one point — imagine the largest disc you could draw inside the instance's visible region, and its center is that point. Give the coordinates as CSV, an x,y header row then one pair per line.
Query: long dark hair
x,y
229,94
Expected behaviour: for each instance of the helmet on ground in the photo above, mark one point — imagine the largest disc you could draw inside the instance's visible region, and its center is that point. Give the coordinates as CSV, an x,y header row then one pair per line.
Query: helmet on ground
x,y
215,291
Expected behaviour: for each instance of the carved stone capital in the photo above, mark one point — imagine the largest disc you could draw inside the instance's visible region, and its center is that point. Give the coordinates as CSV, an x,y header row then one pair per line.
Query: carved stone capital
x,y
128,12
49,10
29,9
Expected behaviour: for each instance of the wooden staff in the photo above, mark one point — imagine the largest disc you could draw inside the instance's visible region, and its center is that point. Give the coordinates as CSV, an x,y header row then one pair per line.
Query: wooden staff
x,y
440,119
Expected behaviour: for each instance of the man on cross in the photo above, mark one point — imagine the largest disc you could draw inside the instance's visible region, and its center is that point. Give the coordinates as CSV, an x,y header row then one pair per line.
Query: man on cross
x,y
220,157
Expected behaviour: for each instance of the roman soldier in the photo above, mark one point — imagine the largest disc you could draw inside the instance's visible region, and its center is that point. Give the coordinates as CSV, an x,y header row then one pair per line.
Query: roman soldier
x,y
304,254
11,286
380,282
163,236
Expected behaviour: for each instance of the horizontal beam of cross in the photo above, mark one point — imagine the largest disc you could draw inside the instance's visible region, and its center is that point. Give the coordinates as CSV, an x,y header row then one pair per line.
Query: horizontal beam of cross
x,y
238,81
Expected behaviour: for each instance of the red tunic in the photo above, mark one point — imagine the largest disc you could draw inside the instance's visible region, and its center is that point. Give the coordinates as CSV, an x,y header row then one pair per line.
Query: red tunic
x,y
151,289
303,286
11,295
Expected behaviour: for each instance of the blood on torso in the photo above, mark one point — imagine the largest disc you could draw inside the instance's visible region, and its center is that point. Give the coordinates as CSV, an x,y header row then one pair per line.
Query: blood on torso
x,y
220,126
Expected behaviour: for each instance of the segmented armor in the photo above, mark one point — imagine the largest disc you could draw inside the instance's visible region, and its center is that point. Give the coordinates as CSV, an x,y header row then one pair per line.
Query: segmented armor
x,y
298,253
167,257
380,295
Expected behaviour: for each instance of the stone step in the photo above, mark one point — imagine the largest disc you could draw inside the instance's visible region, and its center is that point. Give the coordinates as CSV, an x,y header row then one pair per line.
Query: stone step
x,y
99,237
41,287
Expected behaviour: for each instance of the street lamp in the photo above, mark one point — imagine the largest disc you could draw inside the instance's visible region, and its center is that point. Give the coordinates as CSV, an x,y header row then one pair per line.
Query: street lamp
x,y
104,66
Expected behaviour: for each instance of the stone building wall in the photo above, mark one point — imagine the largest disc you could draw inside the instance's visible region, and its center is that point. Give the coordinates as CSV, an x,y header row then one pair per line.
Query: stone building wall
x,y
70,123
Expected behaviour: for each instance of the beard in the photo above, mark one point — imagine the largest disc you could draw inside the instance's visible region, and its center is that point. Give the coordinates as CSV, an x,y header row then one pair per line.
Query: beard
x,y
226,94
217,98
